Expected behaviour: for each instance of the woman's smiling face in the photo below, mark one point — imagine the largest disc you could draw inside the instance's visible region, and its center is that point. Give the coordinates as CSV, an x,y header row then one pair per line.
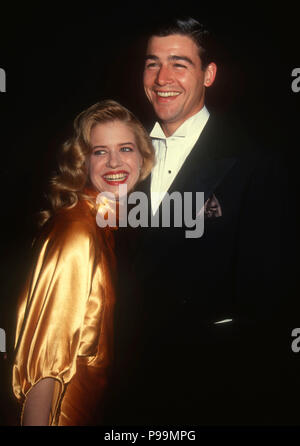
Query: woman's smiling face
x,y
115,158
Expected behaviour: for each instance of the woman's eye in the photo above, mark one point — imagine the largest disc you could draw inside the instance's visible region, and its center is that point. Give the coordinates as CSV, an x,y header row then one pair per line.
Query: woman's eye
x,y
126,149
99,152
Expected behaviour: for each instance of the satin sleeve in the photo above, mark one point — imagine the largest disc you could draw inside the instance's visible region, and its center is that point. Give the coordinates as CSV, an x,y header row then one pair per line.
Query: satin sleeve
x,y
52,309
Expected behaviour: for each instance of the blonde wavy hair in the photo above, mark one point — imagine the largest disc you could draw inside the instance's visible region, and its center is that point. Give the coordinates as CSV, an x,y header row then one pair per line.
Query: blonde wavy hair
x,y
68,184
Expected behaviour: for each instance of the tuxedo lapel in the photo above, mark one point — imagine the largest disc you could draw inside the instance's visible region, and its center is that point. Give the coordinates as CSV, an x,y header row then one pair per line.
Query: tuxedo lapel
x,y
206,165
204,169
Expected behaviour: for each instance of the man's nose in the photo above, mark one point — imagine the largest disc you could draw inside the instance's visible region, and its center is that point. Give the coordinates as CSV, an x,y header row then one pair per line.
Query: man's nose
x,y
114,160
164,76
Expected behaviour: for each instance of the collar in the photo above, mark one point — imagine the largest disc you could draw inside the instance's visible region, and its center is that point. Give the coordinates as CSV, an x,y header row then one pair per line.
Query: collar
x,y
190,126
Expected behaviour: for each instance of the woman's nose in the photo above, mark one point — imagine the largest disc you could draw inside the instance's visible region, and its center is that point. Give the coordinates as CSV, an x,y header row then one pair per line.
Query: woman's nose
x,y
114,160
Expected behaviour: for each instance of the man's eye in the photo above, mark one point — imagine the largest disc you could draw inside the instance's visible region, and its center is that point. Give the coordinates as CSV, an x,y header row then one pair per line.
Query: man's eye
x,y
152,65
178,65
126,149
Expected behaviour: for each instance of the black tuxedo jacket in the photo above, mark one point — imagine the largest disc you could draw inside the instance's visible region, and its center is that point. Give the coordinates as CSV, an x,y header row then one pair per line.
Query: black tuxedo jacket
x,y
202,330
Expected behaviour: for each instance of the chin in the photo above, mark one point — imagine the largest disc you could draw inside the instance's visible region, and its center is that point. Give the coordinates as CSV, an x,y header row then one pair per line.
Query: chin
x,y
166,115
116,192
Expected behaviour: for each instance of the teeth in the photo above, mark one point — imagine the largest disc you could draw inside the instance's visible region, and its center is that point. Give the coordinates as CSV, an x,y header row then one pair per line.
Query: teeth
x,y
115,176
166,94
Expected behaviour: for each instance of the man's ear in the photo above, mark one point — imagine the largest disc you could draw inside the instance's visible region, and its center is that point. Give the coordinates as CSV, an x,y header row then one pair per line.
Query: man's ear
x,y
210,74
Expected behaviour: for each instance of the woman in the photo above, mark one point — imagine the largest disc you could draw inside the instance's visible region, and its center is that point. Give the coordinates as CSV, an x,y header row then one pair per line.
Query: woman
x,y
65,319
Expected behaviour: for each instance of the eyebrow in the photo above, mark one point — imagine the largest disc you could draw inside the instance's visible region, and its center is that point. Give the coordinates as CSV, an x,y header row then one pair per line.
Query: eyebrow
x,y
120,145
127,143
171,58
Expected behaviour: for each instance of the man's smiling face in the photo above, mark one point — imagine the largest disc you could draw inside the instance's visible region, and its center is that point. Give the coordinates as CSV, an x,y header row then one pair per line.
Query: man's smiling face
x,y
174,81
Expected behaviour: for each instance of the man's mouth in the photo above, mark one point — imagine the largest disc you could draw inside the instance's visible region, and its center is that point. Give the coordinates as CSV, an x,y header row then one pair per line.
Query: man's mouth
x,y
116,177
167,94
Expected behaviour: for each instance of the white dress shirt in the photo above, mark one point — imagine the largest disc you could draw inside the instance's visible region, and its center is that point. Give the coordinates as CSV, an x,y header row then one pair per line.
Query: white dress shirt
x,y
171,153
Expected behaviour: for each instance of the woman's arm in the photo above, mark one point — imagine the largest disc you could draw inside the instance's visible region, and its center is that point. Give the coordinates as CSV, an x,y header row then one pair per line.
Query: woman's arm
x,y
50,319
38,403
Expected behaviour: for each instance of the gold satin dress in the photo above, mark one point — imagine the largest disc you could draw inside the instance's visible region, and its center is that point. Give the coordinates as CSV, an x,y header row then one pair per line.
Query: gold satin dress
x,y
65,317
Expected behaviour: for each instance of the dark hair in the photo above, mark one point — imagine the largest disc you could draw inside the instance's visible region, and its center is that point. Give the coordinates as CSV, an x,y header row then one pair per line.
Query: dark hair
x,y
186,26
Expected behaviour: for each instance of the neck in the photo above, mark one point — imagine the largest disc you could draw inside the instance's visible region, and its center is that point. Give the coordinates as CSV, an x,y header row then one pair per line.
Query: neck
x,y
169,128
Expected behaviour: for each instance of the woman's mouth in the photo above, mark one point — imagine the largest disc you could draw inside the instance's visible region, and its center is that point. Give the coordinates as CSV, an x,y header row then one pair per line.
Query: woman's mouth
x,y
115,178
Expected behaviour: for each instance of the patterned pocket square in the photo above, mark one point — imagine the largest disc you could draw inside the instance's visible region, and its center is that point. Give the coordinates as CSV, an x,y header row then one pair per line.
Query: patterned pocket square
x,y
212,208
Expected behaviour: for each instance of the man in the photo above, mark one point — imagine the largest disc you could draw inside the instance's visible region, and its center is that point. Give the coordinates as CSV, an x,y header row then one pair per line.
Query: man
x,y
203,340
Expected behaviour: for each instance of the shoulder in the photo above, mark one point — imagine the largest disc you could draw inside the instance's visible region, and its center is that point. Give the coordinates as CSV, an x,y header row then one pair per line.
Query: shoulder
x,y
230,137
70,228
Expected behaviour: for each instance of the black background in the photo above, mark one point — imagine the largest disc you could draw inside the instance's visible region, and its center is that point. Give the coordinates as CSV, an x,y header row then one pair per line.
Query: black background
x,y
61,58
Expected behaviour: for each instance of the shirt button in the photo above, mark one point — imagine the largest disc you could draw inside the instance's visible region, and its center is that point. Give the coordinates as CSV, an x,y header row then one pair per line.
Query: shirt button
x,y
169,171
